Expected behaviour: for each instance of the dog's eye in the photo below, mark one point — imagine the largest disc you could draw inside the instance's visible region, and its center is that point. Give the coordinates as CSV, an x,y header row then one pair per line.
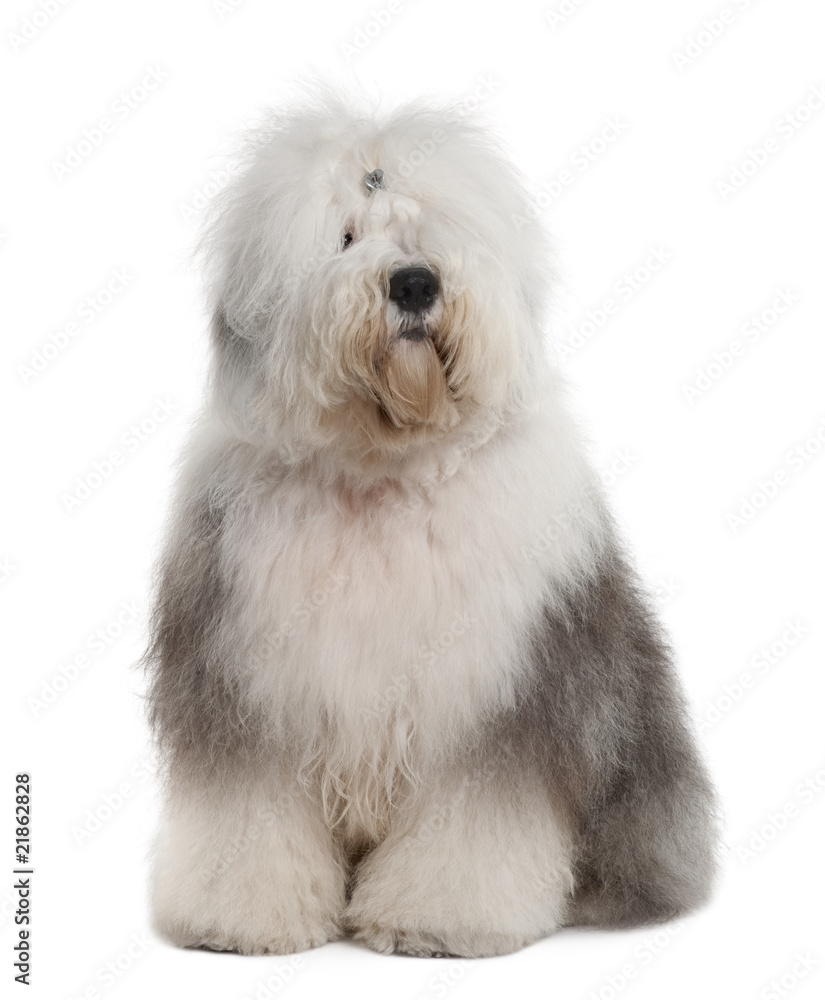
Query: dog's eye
x,y
347,239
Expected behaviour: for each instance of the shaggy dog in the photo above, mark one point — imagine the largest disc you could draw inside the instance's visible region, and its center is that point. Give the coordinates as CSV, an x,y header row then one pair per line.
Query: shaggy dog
x,y
404,681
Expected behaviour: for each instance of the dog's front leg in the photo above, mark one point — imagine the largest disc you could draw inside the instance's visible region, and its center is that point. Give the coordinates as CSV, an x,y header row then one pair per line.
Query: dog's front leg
x,y
481,865
247,866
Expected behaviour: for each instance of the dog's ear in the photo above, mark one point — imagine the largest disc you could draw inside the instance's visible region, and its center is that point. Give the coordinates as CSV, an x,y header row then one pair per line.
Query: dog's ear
x,y
222,332
233,349
235,376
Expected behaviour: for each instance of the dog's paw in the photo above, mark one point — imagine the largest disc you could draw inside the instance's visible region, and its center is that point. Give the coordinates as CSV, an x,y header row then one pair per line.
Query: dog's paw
x,y
388,942
253,938
251,916
446,944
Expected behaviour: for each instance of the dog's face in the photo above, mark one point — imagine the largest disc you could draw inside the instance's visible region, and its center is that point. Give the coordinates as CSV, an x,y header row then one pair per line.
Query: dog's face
x,y
375,287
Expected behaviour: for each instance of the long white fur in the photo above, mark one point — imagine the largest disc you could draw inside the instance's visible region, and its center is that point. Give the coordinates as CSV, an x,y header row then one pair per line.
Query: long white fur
x,y
454,524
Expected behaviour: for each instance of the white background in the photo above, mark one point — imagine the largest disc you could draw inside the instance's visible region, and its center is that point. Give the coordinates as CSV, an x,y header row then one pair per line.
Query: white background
x,y
677,468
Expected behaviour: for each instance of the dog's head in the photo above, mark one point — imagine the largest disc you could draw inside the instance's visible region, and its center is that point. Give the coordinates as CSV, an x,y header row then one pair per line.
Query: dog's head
x,y
375,285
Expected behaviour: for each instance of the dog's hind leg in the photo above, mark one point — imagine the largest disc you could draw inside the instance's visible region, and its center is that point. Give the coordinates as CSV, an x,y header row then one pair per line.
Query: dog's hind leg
x,y
608,716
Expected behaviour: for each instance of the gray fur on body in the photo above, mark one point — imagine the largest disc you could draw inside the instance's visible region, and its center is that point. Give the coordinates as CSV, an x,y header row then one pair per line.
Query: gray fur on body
x,y
599,717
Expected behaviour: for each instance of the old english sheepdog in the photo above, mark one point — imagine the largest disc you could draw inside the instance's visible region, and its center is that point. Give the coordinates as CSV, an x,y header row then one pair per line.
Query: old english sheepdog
x,y
405,683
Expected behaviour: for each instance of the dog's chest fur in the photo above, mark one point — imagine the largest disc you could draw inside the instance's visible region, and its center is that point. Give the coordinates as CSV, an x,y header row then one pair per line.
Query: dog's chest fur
x,y
389,621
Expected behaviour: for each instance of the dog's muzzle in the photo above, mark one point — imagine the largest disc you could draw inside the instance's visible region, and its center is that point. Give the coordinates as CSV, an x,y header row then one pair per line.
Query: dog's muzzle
x,y
414,291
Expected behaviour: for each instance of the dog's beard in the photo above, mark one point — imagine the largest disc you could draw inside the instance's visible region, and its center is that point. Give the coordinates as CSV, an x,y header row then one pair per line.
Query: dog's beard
x,y
398,366
386,379
410,384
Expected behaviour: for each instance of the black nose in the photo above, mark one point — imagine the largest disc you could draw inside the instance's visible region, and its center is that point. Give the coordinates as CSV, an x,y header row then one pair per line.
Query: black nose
x,y
413,289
